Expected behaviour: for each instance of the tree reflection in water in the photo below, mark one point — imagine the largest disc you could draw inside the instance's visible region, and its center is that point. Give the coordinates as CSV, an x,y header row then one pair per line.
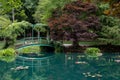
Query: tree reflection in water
x,y
64,67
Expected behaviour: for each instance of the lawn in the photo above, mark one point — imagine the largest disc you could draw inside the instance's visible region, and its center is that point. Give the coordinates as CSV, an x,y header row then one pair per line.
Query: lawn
x,y
86,43
1,44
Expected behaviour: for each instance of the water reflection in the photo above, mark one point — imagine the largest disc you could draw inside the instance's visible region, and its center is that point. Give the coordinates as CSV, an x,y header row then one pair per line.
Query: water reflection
x,y
63,67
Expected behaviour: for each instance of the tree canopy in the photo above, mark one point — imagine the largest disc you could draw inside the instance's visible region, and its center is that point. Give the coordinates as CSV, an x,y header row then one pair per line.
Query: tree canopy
x,y
46,7
76,21
11,30
7,5
73,20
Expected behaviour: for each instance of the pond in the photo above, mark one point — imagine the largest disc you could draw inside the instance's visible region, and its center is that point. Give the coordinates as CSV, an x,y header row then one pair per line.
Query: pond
x,y
62,67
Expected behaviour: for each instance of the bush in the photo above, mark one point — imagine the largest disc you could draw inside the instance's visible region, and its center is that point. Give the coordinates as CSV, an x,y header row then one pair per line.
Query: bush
x,y
7,55
57,46
92,52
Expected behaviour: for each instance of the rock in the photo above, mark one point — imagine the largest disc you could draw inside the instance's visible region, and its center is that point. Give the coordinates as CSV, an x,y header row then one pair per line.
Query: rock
x,y
20,68
80,62
118,61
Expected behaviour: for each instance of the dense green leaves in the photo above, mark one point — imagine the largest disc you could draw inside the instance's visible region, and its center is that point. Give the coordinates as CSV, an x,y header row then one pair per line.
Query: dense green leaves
x,y
7,55
109,21
110,25
110,29
10,31
8,5
41,27
92,52
102,8
111,35
29,8
46,8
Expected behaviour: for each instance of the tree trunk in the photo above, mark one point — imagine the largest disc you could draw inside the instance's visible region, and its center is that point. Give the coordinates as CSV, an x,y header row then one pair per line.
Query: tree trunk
x,y
6,43
39,39
48,38
76,43
13,14
75,40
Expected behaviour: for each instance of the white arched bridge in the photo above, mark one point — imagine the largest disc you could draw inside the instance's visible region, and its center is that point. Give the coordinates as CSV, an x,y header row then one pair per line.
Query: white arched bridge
x,y
32,41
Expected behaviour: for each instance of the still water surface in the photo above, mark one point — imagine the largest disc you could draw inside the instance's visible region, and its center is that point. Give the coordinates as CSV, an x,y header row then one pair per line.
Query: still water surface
x,y
62,67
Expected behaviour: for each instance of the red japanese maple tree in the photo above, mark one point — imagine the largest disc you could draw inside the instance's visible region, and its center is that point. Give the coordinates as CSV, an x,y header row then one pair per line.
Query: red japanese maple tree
x,y
76,21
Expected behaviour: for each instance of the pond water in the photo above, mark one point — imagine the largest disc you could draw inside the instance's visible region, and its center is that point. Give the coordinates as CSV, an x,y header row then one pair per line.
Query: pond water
x,y
62,67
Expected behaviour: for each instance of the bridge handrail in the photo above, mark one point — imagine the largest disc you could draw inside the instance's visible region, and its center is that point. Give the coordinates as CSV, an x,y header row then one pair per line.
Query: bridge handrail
x,y
42,58
22,46
30,38
33,40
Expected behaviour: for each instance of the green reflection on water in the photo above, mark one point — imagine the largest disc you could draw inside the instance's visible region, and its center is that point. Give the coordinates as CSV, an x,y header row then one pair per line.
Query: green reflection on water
x,y
63,67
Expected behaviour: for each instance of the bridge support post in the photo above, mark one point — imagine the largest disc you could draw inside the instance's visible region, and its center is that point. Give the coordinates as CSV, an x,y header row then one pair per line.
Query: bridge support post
x,y
32,33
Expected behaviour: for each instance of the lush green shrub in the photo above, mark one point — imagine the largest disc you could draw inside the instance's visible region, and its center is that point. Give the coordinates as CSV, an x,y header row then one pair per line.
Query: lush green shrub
x,y
57,46
92,52
7,55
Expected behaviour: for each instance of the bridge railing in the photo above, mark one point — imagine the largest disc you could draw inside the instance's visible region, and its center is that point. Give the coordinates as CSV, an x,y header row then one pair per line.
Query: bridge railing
x,y
34,62
32,40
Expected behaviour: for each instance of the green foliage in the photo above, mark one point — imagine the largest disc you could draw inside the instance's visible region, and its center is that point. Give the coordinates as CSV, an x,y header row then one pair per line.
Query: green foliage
x,y
111,35
29,7
92,52
10,30
110,25
109,21
29,50
40,27
15,29
20,15
14,9
102,7
8,5
7,55
30,4
46,7
58,46
36,49
1,44
4,22
110,29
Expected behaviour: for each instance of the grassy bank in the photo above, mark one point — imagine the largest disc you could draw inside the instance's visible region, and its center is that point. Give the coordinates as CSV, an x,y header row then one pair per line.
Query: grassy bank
x,y
1,44
90,43
86,43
